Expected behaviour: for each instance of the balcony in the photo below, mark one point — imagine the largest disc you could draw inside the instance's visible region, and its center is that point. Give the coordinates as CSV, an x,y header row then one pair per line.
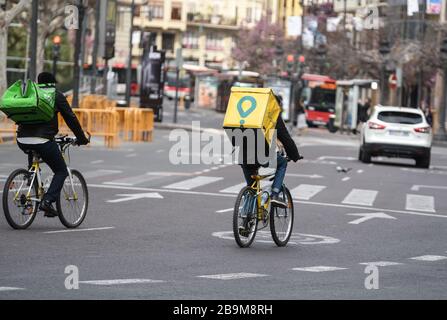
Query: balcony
x,y
211,21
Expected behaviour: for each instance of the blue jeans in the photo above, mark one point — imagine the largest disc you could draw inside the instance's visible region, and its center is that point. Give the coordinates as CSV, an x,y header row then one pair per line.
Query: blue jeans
x,y
251,170
52,156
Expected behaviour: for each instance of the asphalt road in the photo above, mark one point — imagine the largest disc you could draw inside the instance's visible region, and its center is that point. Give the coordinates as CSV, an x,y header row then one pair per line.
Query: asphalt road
x,y
154,233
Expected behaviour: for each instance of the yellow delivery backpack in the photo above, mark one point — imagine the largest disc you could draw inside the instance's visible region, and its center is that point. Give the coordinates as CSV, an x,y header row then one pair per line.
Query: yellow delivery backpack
x,y
252,109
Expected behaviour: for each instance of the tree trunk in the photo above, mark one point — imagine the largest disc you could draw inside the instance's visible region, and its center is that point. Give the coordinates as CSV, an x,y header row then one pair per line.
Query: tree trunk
x,y
3,62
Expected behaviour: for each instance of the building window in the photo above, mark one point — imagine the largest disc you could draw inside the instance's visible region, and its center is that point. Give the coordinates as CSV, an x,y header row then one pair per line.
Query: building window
x,y
214,42
248,18
190,40
168,40
156,10
176,13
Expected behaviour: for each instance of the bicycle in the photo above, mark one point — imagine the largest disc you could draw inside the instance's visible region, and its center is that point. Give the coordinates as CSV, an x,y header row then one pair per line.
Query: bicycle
x,y
24,190
253,207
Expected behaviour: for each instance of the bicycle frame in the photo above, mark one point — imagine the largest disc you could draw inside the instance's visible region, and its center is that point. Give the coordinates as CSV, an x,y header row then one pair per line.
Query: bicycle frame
x,y
34,170
256,186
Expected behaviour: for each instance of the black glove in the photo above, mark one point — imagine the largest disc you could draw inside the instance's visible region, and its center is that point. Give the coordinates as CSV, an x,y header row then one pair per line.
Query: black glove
x,y
298,159
82,142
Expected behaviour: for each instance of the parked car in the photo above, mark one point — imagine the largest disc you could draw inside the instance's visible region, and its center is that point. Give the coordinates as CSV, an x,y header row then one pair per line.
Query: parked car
x,y
397,132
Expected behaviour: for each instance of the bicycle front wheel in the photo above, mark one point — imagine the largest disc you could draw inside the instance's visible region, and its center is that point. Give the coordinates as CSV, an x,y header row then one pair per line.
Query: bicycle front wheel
x,y
282,219
73,201
20,199
245,220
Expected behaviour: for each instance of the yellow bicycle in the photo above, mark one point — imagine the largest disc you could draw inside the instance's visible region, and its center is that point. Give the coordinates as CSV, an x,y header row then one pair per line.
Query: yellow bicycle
x,y
253,207
24,190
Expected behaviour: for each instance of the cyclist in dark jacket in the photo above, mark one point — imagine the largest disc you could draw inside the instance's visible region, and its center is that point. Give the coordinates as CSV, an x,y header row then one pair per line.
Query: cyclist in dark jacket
x,y
40,139
292,153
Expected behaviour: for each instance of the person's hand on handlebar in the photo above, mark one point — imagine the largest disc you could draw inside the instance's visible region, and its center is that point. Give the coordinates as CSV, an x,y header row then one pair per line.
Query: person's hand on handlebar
x,y
84,141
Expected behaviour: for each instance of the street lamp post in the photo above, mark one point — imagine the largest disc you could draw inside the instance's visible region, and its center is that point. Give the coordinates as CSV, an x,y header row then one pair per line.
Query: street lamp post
x,y
33,44
384,51
129,63
441,134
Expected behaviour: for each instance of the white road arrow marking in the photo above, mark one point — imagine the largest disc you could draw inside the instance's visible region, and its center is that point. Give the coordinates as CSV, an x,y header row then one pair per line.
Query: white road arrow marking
x,y
132,197
369,216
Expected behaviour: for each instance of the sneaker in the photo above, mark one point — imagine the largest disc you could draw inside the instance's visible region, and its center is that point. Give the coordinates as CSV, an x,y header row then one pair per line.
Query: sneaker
x,y
276,201
47,207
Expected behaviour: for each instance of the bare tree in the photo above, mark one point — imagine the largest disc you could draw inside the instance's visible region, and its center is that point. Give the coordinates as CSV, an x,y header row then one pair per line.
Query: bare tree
x,y
6,17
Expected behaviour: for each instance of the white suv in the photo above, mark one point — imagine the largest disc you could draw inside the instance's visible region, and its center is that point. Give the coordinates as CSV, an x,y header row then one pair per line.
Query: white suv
x,y
397,132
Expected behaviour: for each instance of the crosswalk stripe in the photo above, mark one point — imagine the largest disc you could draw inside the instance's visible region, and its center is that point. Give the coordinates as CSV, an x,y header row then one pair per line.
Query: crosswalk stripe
x,y
381,263
100,173
10,289
420,203
319,269
233,276
132,181
361,197
234,189
193,183
120,282
306,191
429,258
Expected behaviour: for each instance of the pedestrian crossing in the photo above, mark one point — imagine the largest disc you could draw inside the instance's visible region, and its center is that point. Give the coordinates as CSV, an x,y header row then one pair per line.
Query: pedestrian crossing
x,y
340,195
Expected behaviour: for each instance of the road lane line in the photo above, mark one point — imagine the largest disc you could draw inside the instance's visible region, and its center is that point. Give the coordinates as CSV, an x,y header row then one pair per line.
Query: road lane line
x,y
234,189
430,258
233,276
193,183
223,195
361,197
97,162
100,173
79,230
345,179
10,289
120,282
225,210
420,203
319,269
306,191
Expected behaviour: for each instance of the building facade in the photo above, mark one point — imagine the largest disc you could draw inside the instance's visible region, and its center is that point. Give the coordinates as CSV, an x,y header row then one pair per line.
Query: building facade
x,y
205,30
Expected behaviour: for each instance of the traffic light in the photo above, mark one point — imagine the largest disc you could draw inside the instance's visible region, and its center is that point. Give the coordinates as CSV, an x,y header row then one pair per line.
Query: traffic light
x,y
110,42
290,64
56,46
56,52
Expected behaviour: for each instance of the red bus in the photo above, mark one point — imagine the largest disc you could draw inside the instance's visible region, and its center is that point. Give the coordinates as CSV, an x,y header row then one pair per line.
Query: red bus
x,y
320,96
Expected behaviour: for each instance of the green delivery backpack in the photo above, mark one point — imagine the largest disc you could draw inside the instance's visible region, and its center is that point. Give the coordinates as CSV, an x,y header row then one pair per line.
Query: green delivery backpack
x,y
32,105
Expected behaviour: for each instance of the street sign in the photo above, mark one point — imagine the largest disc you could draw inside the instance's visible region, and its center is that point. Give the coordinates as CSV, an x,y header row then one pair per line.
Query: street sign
x,y
393,81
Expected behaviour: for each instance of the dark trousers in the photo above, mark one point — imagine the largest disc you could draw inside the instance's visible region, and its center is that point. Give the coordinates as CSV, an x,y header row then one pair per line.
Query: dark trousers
x,y
52,156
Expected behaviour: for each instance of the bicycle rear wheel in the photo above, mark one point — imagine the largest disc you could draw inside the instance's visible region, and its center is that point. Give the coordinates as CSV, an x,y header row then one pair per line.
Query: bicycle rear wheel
x,y
282,219
20,209
245,220
72,204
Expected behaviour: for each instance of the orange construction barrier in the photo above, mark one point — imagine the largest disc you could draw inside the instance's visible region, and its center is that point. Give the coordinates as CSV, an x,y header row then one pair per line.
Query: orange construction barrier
x,y
7,126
